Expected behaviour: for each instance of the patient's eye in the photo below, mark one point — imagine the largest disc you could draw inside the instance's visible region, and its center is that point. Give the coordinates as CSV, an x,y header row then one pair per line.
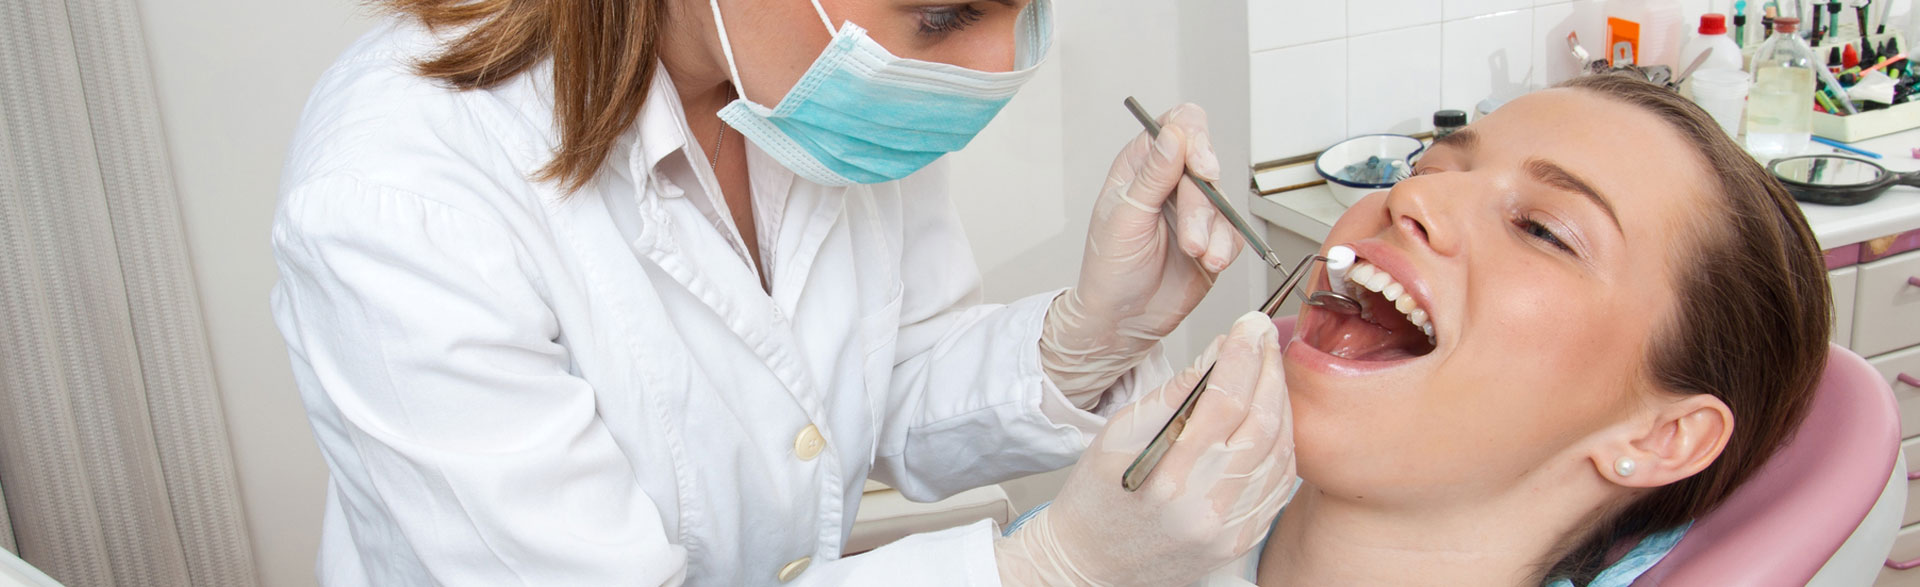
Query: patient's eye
x,y
1535,229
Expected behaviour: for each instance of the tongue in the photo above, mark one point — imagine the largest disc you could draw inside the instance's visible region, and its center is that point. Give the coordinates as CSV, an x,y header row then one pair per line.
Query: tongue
x,y
1385,335
1359,340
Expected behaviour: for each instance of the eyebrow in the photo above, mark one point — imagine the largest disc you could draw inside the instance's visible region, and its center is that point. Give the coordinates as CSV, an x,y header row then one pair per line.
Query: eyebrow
x,y
1553,174
1464,139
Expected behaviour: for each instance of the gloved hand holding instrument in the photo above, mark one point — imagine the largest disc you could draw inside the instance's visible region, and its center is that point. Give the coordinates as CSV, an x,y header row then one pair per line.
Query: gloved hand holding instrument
x,y
1210,500
1211,496
1154,245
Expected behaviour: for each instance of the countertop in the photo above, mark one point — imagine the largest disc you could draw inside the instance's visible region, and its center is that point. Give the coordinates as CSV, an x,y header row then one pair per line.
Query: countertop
x,y
1310,212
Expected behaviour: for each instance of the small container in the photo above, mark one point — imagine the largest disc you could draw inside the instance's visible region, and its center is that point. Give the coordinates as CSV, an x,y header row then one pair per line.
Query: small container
x,y
1447,121
1387,147
1722,93
1712,37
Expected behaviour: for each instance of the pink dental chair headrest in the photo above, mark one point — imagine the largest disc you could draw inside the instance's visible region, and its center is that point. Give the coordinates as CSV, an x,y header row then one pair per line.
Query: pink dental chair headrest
x,y
1783,524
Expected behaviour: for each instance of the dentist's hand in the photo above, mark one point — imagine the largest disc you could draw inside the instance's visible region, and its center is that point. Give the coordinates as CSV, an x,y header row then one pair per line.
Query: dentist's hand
x,y
1138,279
1210,500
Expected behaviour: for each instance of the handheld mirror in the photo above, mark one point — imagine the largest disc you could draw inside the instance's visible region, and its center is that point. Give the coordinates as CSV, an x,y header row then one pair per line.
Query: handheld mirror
x,y
1837,180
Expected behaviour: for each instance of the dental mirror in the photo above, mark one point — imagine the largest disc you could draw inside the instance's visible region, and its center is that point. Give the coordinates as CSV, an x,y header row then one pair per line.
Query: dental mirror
x,y
1837,180
1333,302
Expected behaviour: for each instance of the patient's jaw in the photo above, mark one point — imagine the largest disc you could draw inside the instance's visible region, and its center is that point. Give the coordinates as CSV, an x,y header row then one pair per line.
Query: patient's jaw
x,y
1544,244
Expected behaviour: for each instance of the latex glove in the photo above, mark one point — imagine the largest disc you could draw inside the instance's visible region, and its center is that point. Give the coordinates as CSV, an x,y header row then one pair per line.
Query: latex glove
x,y
1134,285
1210,500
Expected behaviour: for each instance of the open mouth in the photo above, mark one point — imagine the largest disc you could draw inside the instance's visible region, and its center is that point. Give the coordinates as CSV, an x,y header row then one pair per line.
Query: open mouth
x,y
1391,325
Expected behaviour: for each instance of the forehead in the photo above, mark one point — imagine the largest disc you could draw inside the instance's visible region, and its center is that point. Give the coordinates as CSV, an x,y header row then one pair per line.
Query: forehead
x,y
1654,178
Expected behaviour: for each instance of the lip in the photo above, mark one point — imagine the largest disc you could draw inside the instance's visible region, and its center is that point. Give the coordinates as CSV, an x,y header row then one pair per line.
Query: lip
x,y
1396,264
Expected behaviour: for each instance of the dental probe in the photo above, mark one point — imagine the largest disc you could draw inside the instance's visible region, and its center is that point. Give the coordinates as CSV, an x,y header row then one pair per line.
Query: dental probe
x,y
1136,474
1220,202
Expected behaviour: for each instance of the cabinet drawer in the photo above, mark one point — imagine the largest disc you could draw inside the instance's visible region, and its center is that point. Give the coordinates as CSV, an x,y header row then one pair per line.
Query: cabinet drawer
x,y
1894,366
1905,548
1886,307
1841,282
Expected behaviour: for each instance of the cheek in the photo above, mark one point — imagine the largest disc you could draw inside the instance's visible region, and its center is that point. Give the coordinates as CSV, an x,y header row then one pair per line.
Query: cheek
x,y
1548,362
774,44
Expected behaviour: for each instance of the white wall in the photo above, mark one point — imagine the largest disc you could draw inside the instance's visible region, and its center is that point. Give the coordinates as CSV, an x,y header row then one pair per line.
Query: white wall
x,y
232,76
1324,71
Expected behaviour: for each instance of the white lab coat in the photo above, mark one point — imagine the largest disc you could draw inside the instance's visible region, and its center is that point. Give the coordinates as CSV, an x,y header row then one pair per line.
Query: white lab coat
x,y
512,386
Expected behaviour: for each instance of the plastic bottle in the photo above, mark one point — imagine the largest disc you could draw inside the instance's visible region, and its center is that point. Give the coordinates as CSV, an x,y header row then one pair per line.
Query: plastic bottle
x,y
1712,37
1661,29
1780,105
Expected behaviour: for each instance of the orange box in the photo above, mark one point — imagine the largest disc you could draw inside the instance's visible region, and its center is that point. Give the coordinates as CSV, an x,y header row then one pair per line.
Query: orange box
x,y
1623,42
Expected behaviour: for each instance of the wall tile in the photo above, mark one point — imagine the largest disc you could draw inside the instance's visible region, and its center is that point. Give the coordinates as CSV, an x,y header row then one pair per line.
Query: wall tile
x,y
1372,16
1552,61
1459,9
1299,99
1393,81
1272,24
1485,56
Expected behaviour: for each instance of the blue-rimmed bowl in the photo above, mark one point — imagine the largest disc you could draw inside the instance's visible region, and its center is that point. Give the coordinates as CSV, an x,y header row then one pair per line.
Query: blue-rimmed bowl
x,y
1356,150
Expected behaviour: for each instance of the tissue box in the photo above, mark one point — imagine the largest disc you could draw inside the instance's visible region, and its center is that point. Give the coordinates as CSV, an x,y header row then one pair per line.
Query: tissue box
x,y
1866,125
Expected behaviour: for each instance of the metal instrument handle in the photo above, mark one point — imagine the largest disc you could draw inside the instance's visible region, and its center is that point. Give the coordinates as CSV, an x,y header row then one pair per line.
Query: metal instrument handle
x,y
1220,202
1143,465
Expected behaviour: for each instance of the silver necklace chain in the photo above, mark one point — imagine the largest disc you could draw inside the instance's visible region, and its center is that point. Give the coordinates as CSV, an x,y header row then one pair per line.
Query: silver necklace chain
x,y
719,139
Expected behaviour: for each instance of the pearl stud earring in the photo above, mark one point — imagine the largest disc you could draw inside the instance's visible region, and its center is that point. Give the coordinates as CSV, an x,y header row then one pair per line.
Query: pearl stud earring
x,y
1624,466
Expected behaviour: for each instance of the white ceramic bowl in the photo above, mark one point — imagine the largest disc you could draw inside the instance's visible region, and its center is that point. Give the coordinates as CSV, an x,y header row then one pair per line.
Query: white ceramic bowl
x,y
1356,150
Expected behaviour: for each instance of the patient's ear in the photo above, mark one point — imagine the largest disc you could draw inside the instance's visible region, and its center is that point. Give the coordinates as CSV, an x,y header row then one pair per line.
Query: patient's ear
x,y
1684,435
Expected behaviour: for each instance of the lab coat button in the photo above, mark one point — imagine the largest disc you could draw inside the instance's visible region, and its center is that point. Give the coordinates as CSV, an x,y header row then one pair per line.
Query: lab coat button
x,y
793,569
808,444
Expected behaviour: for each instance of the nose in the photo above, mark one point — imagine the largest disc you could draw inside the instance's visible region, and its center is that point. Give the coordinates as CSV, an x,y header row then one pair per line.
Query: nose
x,y
1419,210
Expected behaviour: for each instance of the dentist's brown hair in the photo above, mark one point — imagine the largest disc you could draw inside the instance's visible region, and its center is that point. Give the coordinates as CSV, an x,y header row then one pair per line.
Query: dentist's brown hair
x,y
604,54
1750,326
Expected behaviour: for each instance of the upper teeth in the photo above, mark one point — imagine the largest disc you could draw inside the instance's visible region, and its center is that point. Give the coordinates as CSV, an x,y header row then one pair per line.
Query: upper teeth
x,y
1366,275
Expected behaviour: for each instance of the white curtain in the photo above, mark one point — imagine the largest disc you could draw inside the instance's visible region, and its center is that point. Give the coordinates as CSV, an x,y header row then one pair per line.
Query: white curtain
x,y
6,527
113,449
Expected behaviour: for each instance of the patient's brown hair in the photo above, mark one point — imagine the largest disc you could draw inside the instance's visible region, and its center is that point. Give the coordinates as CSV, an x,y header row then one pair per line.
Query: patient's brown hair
x,y
604,54
1750,327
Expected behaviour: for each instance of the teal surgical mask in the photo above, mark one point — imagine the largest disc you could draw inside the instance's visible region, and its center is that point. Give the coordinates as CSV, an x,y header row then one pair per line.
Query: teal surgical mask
x,y
863,115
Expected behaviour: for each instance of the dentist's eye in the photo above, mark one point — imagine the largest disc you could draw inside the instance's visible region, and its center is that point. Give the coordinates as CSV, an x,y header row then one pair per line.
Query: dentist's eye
x,y
940,20
1535,229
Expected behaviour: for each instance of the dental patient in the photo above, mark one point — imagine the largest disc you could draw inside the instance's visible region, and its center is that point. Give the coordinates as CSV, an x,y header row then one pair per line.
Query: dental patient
x,y
1627,318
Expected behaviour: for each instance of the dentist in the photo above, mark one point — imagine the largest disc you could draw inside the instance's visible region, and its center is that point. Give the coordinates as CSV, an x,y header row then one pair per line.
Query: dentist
x,y
640,292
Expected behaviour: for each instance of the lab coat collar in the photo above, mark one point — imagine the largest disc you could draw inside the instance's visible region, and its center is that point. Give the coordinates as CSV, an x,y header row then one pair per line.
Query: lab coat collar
x,y
658,131
661,130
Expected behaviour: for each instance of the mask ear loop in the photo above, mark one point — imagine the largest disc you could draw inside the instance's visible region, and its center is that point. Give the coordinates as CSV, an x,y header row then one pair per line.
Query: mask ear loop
x,y
726,47
823,17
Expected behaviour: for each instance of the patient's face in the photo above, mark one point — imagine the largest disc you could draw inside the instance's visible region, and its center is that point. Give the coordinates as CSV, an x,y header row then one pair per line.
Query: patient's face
x,y
1541,250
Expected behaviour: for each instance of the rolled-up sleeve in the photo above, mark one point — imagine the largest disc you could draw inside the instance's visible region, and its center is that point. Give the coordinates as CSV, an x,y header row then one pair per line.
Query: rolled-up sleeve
x,y
969,403
463,450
